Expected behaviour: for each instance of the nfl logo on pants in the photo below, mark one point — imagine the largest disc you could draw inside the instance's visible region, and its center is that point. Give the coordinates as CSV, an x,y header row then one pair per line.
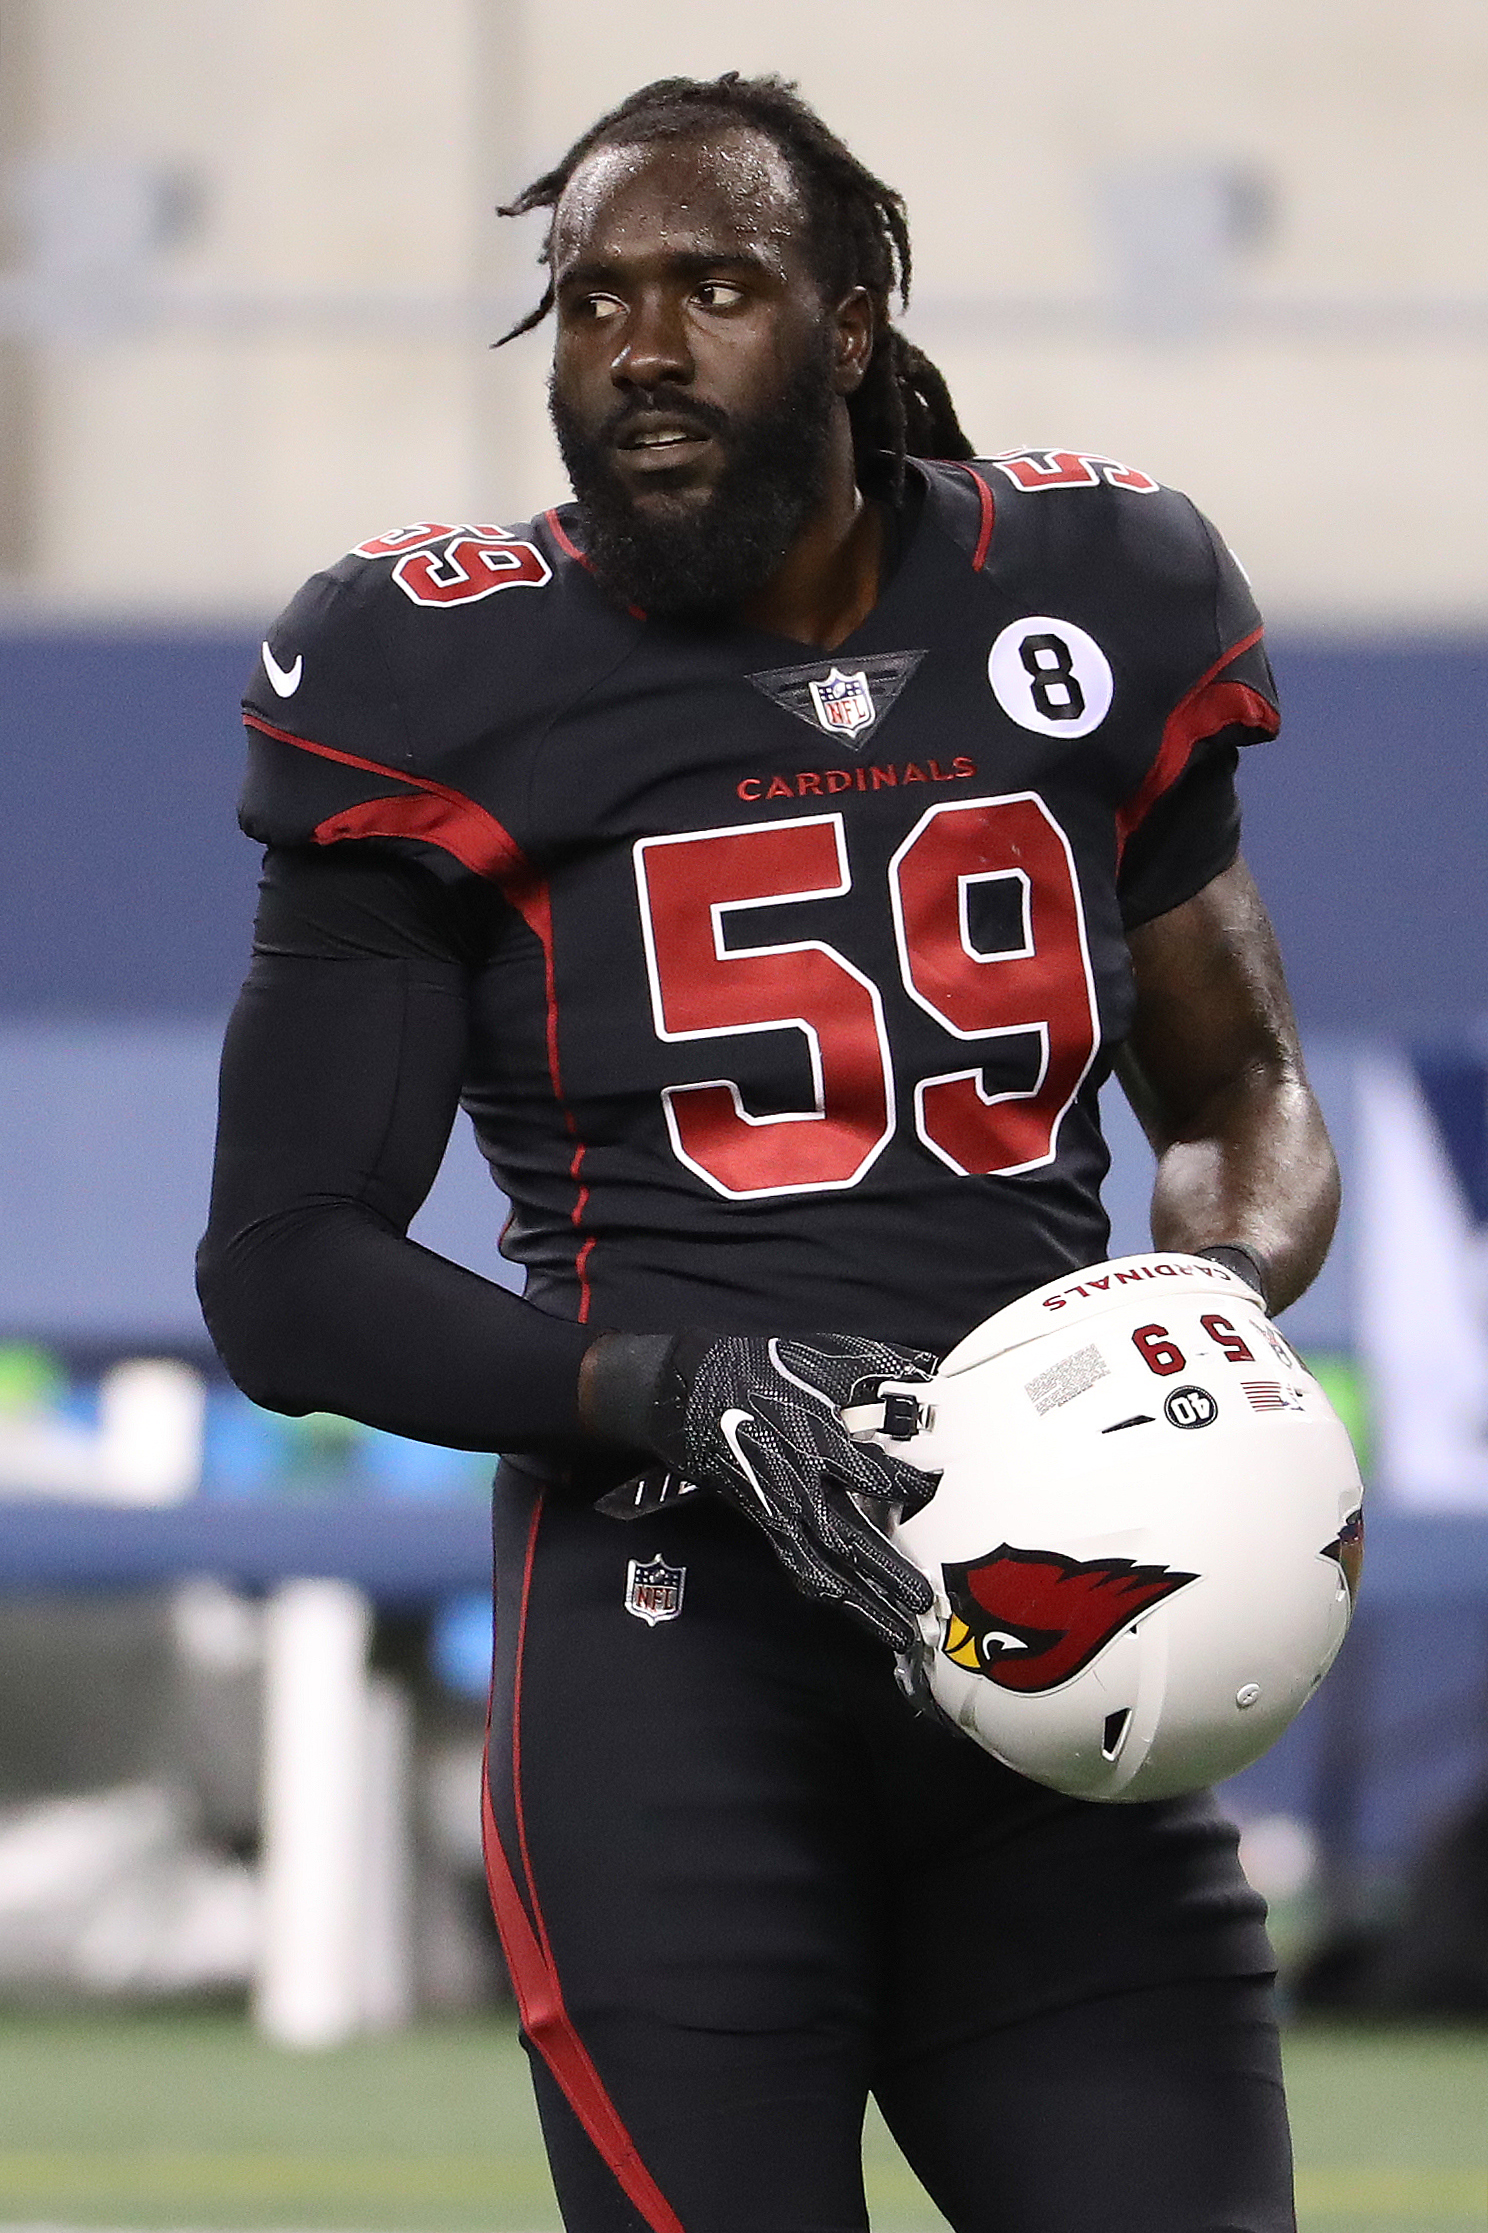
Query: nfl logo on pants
x,y
653,1590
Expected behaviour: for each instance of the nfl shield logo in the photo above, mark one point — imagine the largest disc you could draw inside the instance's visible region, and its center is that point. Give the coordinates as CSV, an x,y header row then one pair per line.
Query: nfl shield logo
x,y
844,703
653,1590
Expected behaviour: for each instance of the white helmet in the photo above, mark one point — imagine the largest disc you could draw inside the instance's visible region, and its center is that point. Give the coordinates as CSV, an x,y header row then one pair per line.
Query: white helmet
x,y
1146,1538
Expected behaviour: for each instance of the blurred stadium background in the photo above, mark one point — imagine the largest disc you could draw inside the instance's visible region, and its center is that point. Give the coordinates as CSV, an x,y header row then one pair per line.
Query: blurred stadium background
x,y
249,270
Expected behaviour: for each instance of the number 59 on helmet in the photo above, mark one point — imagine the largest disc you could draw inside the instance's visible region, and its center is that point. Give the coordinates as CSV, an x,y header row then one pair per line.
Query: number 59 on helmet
x,y
1146,1538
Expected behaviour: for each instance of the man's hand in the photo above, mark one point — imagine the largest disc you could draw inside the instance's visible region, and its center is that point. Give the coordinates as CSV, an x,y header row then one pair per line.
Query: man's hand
x,y
757,1422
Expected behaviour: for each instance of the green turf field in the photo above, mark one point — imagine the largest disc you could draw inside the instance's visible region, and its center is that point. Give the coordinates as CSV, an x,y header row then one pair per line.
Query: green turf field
x,y
188,2121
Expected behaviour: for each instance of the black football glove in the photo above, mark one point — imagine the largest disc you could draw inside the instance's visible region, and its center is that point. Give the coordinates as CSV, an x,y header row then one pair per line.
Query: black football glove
x,y
756,1422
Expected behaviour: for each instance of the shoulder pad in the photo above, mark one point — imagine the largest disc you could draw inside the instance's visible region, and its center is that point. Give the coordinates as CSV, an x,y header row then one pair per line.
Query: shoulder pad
x,y
1072,510
322,683
1033,470
1080,510
320,670
328,667
1108,538
375,682
1088,501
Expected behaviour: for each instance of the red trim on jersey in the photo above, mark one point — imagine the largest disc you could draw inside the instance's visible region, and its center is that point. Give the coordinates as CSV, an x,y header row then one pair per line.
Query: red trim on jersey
x,y
581,1264
433,821
564,540
534,1974
576,1219
531,901
436,814
989,514
1211,705
427,810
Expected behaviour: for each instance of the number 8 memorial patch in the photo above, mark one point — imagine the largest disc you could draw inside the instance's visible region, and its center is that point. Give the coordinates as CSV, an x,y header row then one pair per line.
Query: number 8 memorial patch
x,y
1049,676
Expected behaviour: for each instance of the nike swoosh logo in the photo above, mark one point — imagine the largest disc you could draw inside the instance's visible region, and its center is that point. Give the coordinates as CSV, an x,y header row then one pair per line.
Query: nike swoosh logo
x,y
286,680
728,1427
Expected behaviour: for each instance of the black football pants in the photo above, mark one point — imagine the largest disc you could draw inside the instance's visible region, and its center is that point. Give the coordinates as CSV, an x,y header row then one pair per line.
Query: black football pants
x,y
741,1885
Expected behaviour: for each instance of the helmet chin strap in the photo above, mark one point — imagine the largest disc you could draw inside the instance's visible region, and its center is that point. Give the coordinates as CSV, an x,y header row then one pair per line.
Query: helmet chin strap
x,y
895,1414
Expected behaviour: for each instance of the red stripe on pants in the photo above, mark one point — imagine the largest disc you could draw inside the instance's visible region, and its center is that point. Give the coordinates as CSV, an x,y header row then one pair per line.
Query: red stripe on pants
x,y
534,1976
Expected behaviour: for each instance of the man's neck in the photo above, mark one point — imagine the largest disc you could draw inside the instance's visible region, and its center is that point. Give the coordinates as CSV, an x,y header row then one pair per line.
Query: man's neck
x,y
829,581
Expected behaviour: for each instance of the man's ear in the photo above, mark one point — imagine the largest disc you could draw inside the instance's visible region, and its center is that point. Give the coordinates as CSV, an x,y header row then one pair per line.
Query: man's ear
x,y
853,318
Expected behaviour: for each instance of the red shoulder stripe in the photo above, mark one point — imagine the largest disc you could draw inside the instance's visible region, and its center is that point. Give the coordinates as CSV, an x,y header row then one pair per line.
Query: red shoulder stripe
x,y
1211,705
566,542
563,539
428,810
989,514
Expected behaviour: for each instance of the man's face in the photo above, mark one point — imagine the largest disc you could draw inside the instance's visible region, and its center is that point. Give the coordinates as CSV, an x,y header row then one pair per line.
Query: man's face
x,y
696,388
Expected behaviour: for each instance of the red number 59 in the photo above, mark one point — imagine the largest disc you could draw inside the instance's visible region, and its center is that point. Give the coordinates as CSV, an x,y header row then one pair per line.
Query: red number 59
x,y
705,985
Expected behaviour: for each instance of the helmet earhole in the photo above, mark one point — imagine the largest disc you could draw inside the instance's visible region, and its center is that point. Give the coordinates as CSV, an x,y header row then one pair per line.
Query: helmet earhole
x,y
1112,1732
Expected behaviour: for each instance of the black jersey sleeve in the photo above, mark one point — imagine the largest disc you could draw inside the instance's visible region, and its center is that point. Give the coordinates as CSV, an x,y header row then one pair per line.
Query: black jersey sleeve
x,y
1181,826
340,1079
1191,835
1222,684
1237,688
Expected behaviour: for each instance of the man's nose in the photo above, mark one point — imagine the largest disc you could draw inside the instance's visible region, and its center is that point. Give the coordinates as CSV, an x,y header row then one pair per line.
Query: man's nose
x,y
654,350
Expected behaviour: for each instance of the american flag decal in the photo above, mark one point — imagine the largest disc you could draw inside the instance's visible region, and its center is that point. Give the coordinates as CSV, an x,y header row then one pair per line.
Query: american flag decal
x,y
1265,1395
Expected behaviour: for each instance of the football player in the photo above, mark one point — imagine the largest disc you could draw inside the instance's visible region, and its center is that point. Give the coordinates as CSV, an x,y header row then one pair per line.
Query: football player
x,y
772,850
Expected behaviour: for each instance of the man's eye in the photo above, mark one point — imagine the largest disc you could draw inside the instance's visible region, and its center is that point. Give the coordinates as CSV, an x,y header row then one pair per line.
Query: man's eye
x,y
718,294
599,307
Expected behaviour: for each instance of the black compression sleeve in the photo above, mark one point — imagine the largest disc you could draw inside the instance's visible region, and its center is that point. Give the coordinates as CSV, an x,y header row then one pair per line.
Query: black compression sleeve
x,y
340,1080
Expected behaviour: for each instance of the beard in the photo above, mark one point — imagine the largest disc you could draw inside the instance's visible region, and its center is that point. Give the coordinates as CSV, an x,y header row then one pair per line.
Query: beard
x,y
698,556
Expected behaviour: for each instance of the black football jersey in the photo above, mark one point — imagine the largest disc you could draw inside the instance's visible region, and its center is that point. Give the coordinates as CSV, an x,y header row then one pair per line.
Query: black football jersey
x,y
808,966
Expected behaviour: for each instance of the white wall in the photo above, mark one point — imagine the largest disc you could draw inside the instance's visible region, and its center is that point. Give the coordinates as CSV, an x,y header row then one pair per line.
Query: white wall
x,y
307,364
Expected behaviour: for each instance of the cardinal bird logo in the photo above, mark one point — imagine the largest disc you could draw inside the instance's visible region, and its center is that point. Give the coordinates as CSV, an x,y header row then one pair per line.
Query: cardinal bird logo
x,y
1029,1620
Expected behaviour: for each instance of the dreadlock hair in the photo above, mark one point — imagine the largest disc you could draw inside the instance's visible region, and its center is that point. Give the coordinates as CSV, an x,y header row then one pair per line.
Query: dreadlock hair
x,y
858,237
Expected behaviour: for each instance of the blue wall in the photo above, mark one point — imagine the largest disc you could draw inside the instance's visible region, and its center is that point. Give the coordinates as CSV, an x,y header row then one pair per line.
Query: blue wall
x,y
125,889
1367,828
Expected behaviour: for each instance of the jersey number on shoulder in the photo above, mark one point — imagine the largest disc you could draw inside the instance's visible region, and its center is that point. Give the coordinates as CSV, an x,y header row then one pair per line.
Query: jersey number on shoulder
x,y
1033,469
706,983
440,565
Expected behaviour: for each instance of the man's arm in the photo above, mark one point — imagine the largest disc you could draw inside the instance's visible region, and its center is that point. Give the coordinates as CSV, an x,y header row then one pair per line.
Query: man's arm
x,y
340,1080
1213,1068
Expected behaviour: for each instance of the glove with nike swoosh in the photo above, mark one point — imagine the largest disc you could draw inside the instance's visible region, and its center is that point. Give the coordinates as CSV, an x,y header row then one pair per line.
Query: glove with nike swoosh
x,y
757,1422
